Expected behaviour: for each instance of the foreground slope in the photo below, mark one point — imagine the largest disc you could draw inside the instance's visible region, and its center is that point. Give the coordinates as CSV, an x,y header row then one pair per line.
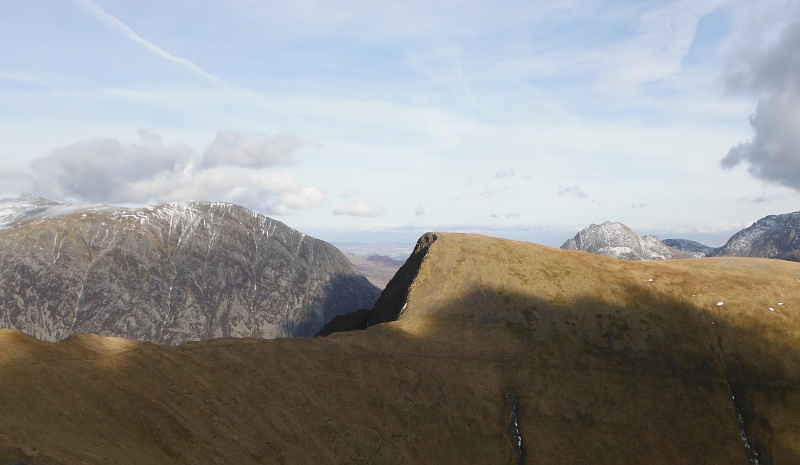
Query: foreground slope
x,y
168,274
502,352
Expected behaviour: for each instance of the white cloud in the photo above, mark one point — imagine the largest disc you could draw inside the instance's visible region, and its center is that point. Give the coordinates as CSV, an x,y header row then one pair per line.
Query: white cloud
x,y
306,197
773,153
233,148
359,208
14,178
420,211
574,191
501,173
105,170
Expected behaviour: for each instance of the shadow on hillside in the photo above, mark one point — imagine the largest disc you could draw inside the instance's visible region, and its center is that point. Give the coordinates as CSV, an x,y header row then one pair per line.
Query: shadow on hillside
x,y
648,334
735,374
342,295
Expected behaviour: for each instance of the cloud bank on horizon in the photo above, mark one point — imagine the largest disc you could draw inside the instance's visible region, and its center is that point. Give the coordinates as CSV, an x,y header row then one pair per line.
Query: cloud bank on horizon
x,y
104,170
360,121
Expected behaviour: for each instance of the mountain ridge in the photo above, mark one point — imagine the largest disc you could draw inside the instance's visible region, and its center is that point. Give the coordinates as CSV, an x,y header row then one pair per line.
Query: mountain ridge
x,y
168,274
774,236
495,351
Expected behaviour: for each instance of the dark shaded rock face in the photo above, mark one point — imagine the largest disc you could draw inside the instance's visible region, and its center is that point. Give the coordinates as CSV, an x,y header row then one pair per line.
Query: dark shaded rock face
x,y
774,236
167,274
619,241
692,247
358,320
394,298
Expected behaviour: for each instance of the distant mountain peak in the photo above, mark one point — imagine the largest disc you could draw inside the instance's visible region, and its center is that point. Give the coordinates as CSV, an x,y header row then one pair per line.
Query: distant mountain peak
x,y
774,236
617,240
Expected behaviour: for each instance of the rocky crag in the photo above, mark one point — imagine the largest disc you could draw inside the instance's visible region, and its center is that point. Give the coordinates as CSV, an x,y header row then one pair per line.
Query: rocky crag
x,y
774,236
480,350
169,274
616,240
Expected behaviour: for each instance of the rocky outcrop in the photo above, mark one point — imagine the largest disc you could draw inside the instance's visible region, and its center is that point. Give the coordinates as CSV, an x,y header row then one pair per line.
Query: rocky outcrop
x,y
392,301
167,274
774,236
619,241
692,247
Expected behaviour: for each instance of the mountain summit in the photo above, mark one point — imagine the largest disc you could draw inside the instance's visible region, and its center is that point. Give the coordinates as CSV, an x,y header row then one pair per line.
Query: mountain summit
x,y
168,274
774,236
619,241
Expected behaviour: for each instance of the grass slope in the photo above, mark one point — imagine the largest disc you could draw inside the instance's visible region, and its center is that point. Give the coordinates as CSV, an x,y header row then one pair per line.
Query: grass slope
x,y
506,353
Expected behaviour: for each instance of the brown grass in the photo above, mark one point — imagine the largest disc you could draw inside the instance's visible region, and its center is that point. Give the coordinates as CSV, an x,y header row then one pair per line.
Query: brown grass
x,y
594,362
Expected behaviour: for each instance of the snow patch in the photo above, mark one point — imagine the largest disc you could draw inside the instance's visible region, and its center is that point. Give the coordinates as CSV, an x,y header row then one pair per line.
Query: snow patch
x,y
403,309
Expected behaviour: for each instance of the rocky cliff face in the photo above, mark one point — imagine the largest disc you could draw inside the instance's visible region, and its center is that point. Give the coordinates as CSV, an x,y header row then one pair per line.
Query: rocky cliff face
x,y
774,236
167,274
619,241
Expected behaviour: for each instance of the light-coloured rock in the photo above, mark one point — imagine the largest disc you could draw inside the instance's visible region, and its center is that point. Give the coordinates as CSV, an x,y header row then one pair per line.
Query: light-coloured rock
x,y
616,240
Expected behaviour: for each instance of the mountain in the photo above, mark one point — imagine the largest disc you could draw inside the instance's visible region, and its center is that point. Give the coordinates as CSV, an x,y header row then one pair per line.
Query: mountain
x,y
493,351
619,241
168,274
692,247
774,236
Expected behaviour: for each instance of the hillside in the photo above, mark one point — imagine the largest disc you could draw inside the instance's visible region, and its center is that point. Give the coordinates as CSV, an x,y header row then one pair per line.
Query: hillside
x,y
502,352
167,274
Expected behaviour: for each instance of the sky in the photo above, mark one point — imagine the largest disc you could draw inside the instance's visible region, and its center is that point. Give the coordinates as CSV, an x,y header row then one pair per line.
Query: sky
x,y
374,121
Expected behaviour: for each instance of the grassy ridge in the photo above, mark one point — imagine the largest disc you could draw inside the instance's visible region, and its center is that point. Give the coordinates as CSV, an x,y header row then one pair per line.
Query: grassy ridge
x,y
506,353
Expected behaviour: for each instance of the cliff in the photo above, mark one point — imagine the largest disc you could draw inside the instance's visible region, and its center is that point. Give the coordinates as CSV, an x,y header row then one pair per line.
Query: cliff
x,y
167,274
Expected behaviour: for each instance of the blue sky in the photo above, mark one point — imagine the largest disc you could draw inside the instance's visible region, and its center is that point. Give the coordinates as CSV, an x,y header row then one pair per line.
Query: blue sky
x,y
361,121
